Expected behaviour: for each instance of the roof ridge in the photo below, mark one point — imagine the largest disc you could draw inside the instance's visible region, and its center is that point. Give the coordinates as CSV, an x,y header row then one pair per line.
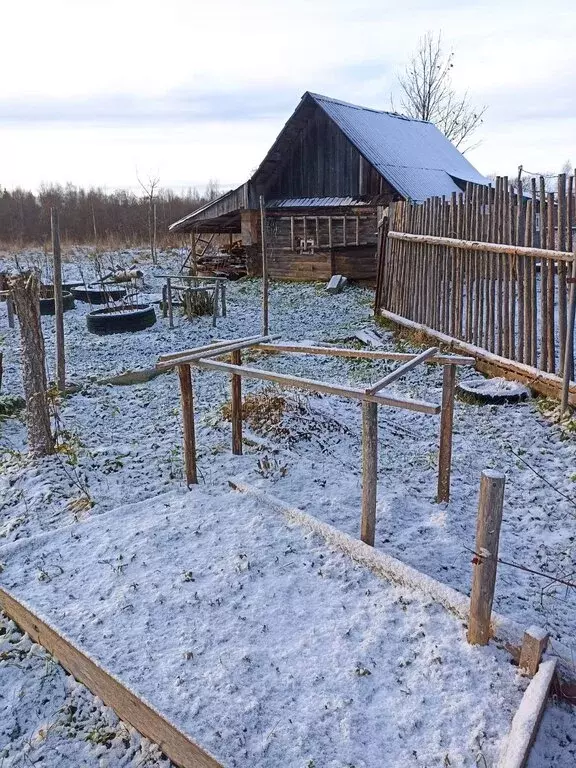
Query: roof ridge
x,y
320,97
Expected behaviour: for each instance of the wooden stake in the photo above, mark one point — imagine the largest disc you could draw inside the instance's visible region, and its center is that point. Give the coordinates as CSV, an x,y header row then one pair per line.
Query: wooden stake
x,y
236,359
533,646
568,372
187,399
169,302
10,311
490,506
446,424
58,301
369,471
265,267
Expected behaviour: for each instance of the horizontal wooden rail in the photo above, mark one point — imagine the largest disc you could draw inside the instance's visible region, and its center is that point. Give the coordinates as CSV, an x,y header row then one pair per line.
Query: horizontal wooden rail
x,y
215,351
526,721
474,245
206,347
317,386
366,354
128,706
546,383
403,369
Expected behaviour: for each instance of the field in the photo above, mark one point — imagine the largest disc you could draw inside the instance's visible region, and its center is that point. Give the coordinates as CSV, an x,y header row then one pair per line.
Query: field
x,y
122,445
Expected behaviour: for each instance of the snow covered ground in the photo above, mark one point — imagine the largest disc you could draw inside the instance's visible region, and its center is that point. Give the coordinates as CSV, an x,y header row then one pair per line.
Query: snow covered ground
x,y
122,444
264,645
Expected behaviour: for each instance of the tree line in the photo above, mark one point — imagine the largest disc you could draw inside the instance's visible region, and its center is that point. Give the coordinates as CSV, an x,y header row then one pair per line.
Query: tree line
x,y
92,215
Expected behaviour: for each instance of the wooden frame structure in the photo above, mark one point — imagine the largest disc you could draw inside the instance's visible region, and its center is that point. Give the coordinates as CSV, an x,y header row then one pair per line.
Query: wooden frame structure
x,y
204,358
217,285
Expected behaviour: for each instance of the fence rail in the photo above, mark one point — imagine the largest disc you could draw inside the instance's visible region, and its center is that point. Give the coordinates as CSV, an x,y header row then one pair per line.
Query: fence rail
x,y
492,267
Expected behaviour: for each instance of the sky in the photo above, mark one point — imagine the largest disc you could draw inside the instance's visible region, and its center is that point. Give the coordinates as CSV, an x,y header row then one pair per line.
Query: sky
x,y
103,92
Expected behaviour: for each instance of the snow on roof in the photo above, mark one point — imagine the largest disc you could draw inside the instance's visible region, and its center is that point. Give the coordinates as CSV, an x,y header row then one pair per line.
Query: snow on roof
x,y
413,155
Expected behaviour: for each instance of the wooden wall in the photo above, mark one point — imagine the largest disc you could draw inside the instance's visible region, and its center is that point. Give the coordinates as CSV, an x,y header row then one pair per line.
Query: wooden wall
x,y
319,161
356,263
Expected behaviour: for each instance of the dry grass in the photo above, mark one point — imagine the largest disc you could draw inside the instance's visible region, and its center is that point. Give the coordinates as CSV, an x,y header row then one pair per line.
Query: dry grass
x,y
262,411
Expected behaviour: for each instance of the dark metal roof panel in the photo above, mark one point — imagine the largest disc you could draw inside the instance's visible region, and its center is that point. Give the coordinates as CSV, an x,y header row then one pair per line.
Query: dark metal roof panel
x,y
413,155
315,202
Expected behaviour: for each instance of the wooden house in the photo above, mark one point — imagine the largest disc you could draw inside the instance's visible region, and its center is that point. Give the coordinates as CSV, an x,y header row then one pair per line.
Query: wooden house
x,y
328,176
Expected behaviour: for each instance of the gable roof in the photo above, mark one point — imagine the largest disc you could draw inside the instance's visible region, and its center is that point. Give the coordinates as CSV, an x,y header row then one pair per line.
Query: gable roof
x,y
412,155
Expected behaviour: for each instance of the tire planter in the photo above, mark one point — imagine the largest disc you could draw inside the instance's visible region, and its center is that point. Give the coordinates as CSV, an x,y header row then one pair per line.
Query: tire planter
x,y
497,391
98,295
125,319
47,306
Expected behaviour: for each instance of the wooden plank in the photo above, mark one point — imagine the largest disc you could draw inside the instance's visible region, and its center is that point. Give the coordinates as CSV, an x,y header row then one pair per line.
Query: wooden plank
x,y
187,401
236,405
125,702
446,427
369,472
318,386
205,347
546,383
215,351
473,245
403,369
526,721
568,372
361,353
490,505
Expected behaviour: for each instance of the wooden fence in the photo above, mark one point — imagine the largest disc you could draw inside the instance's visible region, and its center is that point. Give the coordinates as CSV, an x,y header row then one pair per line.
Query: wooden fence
x,y
493,267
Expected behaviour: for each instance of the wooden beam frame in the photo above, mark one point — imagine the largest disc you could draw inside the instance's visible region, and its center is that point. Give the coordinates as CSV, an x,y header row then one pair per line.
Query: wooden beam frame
x,y
403,369
175,744
365,354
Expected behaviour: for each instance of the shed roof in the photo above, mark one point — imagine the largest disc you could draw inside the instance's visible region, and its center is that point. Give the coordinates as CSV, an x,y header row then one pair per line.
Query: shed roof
x,y
412,155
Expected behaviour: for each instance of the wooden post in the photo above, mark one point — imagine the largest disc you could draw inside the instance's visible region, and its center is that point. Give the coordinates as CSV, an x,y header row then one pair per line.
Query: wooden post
x,y
154,229
533,646
58,301
236,406
10,311
223,296
490,506
215,302
446,422
187,399
169,302
265,268
369,471
568,372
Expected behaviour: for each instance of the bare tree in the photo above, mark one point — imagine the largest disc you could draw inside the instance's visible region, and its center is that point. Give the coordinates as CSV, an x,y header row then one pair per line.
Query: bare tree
x,y
150,190
427,93
26,295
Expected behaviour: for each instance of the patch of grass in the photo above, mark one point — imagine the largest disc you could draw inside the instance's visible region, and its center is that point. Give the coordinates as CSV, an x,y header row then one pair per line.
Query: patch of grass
x,y
262,411
10,405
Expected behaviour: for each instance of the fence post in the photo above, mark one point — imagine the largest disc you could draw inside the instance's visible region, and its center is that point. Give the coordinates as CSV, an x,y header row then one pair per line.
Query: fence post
x,y
369,471
569,350
10,311
490,505
265,325
446,424
58,301
187,399
236,406
169,302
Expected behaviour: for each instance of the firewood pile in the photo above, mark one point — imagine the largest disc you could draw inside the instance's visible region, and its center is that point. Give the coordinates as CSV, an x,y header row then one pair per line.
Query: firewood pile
x,y
224,261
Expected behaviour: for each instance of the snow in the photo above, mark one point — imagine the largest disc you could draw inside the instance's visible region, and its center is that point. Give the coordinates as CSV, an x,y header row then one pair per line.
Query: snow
x,y
526,719
263,644
122,445
49,719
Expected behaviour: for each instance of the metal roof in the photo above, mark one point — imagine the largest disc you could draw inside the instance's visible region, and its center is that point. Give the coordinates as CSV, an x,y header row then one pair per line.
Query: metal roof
x,y
413,155
314,202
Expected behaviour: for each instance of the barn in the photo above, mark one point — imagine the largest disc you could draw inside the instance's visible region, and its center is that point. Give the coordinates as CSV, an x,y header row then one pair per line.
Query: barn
x,y
325,182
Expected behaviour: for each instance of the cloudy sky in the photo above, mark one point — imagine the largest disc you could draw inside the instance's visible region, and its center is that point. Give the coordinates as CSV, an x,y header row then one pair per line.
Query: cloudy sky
x,y
96,92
